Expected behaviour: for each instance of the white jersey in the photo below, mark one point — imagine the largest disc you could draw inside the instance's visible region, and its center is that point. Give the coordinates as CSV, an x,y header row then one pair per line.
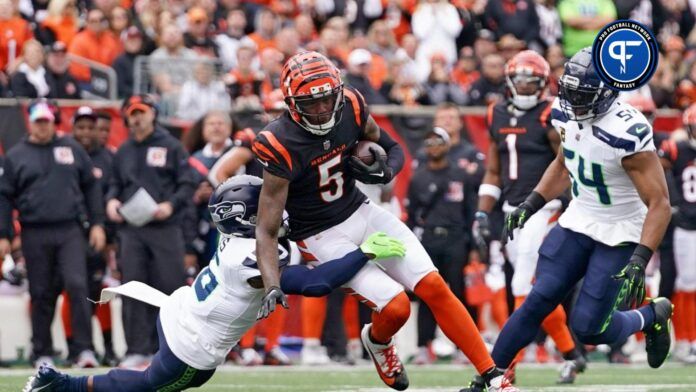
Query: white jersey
x,y
203,322
605,205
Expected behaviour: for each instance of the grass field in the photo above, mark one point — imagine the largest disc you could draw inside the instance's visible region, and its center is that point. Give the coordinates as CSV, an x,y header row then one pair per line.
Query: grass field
x,y
600,377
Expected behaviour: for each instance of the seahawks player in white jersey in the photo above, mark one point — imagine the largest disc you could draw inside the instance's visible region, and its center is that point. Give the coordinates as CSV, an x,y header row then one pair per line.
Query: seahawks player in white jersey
x,y
616,219
198,325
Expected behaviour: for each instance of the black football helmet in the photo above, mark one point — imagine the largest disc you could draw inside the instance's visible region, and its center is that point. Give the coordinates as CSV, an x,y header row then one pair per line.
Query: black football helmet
x,y
234,205
582,94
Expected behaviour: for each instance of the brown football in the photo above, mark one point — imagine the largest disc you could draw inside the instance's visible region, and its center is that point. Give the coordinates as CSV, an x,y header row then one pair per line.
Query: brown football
x,y
362,151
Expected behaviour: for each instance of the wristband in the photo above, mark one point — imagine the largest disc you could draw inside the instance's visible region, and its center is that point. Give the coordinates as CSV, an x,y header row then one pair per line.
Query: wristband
x,y
642,253
489,190
534,202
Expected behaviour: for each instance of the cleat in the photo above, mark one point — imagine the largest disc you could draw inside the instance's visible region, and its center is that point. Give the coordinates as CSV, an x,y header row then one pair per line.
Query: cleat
x,y
313,353
657,335
43,361
355,350
476,385
386,360
423,357
570,370
276,357
46,379
109,359
499,383
86,360
250,357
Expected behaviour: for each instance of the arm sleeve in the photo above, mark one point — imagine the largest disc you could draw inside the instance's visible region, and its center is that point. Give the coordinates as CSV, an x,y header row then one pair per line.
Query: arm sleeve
x,y
395,154
274,157
91,188
7,192
320,281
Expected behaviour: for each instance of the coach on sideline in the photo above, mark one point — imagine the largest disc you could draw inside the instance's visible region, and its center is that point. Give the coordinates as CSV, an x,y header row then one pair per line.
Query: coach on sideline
x,y
151,251
48,178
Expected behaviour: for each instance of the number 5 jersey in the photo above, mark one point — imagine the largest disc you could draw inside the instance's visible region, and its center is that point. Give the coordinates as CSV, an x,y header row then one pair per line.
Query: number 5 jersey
x,y
605,205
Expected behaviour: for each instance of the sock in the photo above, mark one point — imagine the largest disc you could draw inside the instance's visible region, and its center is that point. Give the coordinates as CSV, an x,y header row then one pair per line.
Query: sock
x,y
76,384
454,320
622,325
275,324
387,322
313,316
351,317
690,315
571,355
108,340
480,321
248,339
555,325
648,315
499,308
65,315
679,315
103,313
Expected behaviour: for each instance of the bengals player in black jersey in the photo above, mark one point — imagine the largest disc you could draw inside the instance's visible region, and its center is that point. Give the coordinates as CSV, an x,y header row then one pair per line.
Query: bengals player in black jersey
x,y
309,171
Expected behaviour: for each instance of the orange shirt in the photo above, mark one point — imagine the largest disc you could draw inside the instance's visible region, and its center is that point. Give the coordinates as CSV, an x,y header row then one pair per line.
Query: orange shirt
x,y
103,49
262,43
378,71
13,33
464,79
64,28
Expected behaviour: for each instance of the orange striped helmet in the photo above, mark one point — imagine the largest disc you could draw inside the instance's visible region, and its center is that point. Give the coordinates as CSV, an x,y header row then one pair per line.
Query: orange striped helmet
x,y
313,91
525,68
689,120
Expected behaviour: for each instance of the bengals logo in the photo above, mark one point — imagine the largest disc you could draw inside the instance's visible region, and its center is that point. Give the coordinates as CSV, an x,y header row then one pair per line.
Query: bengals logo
x,y
226,210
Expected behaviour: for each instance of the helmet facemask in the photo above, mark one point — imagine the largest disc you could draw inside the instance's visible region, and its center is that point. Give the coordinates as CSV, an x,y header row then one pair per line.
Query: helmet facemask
x,y
525,90
584,102
320,111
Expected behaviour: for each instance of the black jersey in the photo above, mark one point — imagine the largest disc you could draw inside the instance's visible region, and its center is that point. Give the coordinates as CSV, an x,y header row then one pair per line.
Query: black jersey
x,y
322,192
682,155
523,147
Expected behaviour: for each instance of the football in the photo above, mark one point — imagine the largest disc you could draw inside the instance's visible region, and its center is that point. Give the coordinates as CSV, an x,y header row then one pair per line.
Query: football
x,y
362,151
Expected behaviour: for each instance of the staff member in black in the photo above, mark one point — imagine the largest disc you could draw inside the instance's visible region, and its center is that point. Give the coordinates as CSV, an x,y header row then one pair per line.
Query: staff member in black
x,y
153,253
441,206
50,181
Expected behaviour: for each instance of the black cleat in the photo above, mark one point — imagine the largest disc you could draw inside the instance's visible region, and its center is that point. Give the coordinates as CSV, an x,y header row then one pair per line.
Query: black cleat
x,y
476,385
570,370
46,379
657,337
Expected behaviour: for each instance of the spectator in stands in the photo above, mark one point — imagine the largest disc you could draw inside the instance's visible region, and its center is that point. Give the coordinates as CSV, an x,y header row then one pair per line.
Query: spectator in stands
x,y
382,40
203,93
662,84
490,87
550,29
244,83
675,52
484,44
359,62
271,65
556,59
197,37
124,65
171,63
436,24
50,181
97,43
465,71
685,93
62,20
287,41
15,32
61,84
406,90
439,85
509,46
265,28
305,28
119,21
29,81
329,44
516,17
151,250
232,38
582,20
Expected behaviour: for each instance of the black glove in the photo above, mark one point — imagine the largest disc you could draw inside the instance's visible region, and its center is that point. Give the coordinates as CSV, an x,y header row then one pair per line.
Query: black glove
x,y
377,173
481,231
632,292
273,296
522,213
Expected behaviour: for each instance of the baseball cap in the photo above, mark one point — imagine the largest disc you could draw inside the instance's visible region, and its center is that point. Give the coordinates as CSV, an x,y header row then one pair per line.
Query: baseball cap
x,y
359,57
137,102
196,14
439,132
133,32
84,112
58,47
41,111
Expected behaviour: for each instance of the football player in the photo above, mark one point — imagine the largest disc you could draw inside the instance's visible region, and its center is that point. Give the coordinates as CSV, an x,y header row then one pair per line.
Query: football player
x,y
680,158
616,219
522,145
199,324
308,170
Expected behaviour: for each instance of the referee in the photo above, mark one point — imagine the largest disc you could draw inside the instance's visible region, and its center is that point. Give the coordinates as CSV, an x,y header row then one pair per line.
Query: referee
x,y
50,181
153,160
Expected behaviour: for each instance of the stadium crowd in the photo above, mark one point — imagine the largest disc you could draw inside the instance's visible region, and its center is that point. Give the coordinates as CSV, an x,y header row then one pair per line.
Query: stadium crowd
x,y
203,59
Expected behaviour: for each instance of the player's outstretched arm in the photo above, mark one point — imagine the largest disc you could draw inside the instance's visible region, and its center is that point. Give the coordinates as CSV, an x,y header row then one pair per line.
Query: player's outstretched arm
x,y
274,193
320,281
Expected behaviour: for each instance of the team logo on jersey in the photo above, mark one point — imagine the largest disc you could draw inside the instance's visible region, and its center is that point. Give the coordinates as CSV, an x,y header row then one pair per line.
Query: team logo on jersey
x,y
157,156
63,155
227,209
625,54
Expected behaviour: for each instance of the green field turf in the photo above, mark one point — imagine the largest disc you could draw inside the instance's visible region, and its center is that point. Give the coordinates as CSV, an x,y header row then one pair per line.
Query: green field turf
x,y
600,377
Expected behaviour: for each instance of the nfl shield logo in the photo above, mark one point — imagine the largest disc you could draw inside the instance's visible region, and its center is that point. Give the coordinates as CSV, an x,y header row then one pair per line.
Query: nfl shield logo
x,y
327,144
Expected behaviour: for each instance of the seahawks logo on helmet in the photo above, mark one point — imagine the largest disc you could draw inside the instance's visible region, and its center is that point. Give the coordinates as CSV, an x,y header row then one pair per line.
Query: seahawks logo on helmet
x,y
227,209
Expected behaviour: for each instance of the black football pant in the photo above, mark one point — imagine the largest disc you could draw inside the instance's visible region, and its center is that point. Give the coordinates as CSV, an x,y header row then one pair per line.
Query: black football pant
x,y
449,252
153,254
55,256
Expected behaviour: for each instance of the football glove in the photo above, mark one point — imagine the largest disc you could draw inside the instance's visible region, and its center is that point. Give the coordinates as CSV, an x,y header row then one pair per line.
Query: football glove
x,y
632,292
518,217
377,173
481,231
273,296
380,246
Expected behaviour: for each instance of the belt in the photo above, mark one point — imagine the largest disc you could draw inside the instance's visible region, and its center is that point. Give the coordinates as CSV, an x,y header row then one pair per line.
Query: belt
x,y
444,231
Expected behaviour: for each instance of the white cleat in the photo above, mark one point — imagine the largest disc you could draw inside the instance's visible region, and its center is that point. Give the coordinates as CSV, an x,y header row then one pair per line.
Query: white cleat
x,y
313,353
86,360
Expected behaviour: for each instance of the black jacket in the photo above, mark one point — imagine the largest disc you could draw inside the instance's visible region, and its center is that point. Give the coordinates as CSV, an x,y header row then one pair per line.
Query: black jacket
x,y
49,183
62,86
21,87
160,165
124,65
